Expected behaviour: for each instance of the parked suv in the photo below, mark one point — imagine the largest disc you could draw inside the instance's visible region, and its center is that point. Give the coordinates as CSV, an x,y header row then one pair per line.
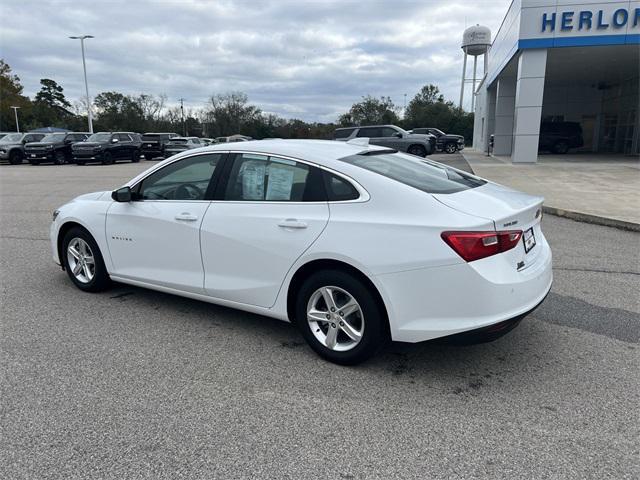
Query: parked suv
x,y
559,137
180,144
12,145
54,148
445,142
153,144
390,136
107,148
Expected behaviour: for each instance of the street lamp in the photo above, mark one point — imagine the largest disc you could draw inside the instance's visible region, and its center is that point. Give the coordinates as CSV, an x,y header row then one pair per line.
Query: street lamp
x,y
86,85
15,112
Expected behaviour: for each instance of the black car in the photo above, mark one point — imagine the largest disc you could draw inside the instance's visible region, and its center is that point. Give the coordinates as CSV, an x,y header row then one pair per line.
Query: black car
x,y
559,137
153,144
107,148
53,148
445,142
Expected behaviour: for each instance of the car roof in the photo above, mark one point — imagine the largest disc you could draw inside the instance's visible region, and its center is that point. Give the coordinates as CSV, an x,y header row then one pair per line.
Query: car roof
x,y
321,152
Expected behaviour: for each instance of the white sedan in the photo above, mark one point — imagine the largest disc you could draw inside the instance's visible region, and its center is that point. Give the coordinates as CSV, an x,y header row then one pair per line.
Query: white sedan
x,y
355,244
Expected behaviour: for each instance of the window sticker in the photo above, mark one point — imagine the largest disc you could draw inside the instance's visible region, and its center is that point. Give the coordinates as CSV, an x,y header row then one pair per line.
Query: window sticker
x,y
252,174
280,182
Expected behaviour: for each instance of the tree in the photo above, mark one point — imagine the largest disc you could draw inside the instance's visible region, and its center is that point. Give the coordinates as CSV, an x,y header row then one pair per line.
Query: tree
x,y
11,95
428,108
52,95
370,111
117,111
230,113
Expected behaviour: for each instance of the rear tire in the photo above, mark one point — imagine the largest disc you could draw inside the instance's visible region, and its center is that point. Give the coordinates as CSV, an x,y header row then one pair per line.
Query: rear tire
x,y
347,337
15,158
451,148
135,157
148,157
85,260
107,158
417,150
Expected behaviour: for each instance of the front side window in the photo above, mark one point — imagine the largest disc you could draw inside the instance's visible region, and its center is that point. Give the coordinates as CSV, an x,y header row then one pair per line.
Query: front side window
x,y
262,178
123,137
430,177
186,179
388,132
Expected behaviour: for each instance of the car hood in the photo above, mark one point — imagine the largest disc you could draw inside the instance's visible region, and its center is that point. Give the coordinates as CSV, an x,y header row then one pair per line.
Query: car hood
x,y
88,144
93,196
506,207
40,144
451,136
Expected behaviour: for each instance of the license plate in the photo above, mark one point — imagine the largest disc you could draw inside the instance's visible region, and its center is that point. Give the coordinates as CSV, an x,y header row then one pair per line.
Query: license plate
x,y
33,155
529,240
149,145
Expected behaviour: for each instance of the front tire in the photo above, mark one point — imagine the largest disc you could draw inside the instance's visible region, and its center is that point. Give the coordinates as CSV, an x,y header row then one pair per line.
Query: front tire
x,y
15,158
83,261
107,158
59,158
135,156
148,157
340,318
450,148
417,150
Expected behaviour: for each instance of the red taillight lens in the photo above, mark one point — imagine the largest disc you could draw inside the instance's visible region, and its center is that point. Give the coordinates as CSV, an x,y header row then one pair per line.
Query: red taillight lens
x,y
476,245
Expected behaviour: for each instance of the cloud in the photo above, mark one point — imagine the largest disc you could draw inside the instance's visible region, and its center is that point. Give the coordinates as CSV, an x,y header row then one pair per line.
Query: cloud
x,y
307,58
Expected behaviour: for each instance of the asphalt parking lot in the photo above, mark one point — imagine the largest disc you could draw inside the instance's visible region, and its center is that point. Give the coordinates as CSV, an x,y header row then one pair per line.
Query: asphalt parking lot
x,y
138,384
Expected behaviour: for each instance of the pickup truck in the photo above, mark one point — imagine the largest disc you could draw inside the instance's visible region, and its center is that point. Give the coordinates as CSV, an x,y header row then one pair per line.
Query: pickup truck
x,y
445,142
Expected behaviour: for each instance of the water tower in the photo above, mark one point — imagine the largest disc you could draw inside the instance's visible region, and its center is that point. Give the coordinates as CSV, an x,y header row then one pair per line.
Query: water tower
x,y
476,41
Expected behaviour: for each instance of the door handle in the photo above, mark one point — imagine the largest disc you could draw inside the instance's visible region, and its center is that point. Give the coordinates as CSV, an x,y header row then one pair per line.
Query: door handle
x,y
186,217
292,223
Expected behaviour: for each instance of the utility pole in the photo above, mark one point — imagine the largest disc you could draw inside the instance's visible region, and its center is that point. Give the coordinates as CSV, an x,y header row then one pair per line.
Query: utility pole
x,y
184,126
404,109
15,112
86,84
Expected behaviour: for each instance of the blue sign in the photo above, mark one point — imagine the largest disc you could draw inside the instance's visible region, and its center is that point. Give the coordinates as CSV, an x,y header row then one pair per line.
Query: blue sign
x,y
587,20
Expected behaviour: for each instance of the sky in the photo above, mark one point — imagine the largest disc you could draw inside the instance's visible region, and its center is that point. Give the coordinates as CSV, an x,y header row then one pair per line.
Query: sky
x,y
299,59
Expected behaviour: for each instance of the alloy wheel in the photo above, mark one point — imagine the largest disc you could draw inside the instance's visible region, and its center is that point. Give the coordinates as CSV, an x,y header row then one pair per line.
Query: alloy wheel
x,y
450,148
81,260
335,318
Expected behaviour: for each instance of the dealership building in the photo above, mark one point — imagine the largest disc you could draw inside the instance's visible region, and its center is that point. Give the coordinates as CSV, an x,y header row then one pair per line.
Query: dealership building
x,y
557,61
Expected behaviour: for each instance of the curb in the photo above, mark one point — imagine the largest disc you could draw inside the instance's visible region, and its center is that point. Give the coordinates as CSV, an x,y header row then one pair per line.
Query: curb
x,y
583,217
594,219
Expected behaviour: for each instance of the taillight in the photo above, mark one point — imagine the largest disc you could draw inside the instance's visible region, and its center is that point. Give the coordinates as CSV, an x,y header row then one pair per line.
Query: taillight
x,y
476,245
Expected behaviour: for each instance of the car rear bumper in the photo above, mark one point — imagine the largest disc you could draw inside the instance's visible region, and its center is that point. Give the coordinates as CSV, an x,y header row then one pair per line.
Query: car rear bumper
x,y
424,304
156,152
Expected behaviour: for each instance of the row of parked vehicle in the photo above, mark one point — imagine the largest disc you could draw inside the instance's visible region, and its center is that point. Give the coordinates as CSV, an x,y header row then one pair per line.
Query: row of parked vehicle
x,y
102,147
109,147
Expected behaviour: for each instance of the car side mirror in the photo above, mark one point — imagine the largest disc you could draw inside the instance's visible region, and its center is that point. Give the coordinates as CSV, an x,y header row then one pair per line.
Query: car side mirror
x,y
114,140
398,134
122,195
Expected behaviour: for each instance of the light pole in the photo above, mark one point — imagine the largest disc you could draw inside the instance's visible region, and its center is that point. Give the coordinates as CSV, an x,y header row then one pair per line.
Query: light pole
x,y
86,84
15,112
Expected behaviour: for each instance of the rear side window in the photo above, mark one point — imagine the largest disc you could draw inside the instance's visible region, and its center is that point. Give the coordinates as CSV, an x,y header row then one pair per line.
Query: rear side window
x,y
338,189
422,174
271,179
344,133
371,132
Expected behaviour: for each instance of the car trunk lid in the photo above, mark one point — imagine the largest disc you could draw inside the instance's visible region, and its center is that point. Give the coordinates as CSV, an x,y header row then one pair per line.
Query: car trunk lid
x,y
508,209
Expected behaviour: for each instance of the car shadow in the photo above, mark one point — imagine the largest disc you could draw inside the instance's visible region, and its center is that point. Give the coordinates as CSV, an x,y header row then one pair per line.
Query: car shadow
x,y
457,369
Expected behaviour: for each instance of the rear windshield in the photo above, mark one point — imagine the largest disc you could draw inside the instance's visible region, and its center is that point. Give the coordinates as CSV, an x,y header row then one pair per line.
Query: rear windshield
x,y
344,133
176,141
430,177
